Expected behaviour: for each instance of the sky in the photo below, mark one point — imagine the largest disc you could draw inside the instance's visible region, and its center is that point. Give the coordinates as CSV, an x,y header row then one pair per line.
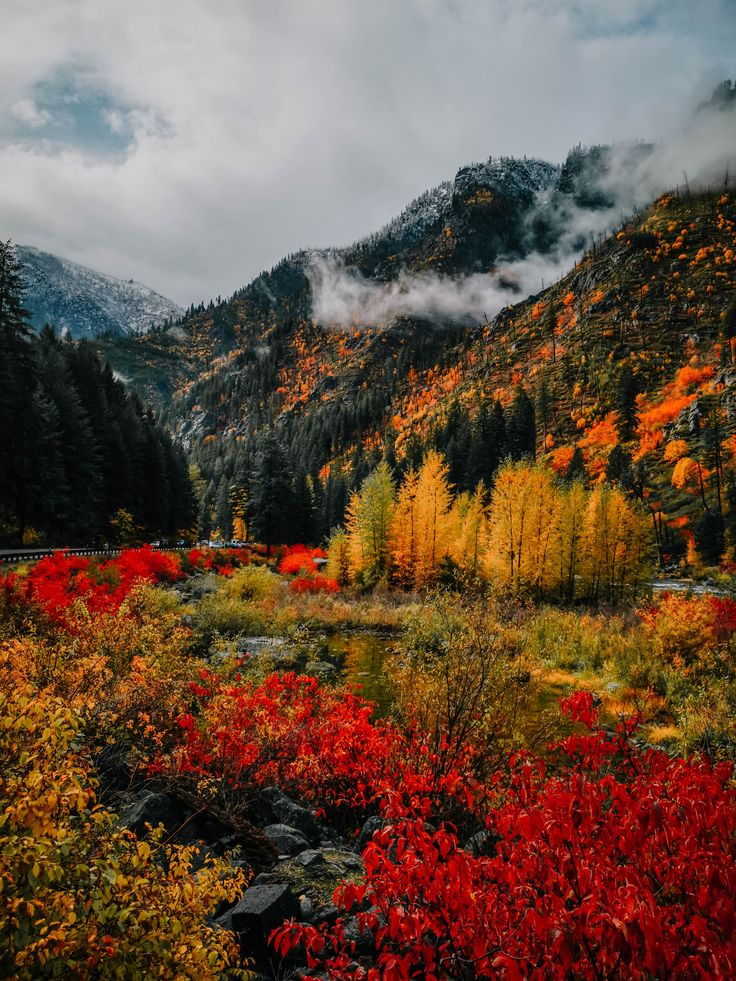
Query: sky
x,y
190,145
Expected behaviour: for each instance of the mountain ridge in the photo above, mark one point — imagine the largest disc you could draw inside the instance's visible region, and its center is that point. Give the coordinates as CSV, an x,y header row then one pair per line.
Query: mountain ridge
x,y
85,303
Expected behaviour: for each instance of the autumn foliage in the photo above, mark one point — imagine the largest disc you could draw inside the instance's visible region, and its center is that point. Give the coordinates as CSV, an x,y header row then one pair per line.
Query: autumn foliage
x,y
78,897
610,862
57,582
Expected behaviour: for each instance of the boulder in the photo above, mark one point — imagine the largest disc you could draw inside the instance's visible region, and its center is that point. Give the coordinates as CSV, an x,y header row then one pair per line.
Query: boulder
x,y
287,811
370,827
286,839
481,843
326,914
312,858
363,939
153,809
265,879
261,910
320,669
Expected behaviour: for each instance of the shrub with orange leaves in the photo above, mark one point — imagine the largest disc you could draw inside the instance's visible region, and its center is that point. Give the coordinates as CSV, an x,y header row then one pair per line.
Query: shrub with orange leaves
x,y
561,458
687,630
689,475
692,375
674,450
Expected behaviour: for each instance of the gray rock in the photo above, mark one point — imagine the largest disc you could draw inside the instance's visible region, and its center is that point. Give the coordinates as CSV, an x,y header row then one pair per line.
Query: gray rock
x,y
153,809
264,879
320,668
370,827
363,939
326,914
481,843
329,837
351,862
287,811
261,909
288,840
306,908
312,858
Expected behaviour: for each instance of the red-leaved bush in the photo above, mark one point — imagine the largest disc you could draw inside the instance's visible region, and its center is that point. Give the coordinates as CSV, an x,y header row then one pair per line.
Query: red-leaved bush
x,y
58,581
609,862
314,584
221,560
318,743
299,559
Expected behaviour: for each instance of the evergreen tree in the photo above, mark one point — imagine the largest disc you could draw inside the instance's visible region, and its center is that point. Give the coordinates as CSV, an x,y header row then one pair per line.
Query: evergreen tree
x,y
270,503
628,389
302,512
619,468
18,449
521,431
576,467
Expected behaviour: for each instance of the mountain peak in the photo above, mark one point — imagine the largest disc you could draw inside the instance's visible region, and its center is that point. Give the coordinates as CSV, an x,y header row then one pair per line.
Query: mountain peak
x,y
82,302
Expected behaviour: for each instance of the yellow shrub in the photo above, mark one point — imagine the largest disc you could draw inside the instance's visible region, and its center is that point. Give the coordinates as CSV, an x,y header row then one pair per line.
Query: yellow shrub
x,y
78,898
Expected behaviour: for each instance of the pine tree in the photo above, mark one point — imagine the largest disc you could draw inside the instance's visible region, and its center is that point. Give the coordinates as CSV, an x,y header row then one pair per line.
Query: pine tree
x,y
302,514
521,432
270,503
628,389
17,385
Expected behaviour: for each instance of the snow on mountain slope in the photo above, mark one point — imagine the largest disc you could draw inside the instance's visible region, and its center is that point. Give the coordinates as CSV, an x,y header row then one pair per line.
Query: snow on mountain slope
x,y
85,303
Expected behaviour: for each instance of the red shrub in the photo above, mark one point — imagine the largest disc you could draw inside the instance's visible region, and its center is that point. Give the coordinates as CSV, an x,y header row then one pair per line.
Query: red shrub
x,y
615,862
59,580
221,560
316,742
314,584
298,559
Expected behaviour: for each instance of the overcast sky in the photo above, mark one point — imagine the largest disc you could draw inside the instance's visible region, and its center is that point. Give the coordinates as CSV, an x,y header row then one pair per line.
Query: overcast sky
x,y
191,144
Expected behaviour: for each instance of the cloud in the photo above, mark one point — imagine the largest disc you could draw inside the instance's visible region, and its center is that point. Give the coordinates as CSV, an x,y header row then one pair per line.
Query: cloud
x,y
241,132
341,295
28,114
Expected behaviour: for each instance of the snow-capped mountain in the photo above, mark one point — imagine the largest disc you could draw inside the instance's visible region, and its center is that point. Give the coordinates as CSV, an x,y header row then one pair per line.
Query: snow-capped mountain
x,y
84,303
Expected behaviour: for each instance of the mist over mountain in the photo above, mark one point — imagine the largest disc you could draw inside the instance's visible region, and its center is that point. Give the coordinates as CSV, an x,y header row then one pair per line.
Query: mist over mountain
x,y
531,221
84,303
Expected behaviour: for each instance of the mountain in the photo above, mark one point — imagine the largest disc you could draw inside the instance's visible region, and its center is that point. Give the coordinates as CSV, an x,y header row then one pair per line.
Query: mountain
x,y
84,303
625,361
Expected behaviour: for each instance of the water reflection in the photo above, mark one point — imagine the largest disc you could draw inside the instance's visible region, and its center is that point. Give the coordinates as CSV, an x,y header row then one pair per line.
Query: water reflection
x,y
366,654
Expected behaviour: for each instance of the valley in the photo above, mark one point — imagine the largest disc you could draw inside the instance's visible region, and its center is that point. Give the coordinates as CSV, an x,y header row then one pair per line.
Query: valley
x,y
437,679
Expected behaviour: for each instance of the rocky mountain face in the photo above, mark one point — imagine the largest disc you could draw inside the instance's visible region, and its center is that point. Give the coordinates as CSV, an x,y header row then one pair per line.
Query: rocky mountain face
x,y
84,303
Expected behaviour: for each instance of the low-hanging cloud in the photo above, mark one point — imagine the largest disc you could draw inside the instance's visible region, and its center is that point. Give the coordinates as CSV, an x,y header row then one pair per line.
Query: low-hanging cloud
x,y
342,295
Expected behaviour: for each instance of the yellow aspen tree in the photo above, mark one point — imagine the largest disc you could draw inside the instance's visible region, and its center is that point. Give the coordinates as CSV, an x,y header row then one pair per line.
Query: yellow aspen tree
x,y
469,521
596,541
570,534
369,519
338,557
404,532
635,548
544,502
615,544
433,501
509,524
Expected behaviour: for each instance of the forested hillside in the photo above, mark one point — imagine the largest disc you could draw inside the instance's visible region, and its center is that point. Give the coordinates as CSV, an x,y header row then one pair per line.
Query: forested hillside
x,y
82,459
622,368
